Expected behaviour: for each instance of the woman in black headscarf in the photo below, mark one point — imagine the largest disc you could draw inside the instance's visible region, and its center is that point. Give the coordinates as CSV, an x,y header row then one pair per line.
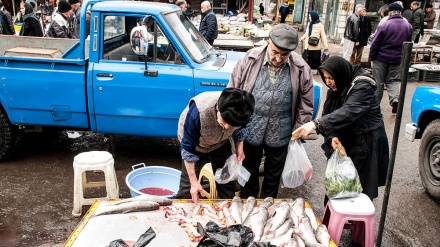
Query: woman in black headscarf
x,y
31,25
312,52
352,117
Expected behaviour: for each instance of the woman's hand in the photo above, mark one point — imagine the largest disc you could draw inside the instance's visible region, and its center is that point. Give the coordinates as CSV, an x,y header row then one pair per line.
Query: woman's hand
x,y
335,142
304,131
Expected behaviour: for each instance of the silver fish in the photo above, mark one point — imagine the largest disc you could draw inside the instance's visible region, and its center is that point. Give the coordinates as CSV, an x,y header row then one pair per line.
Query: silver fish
x,y
306,233
294,217
247,221
247,208
162,201
278,232
236,209
228,217
298,206
312,217
279,217
258,221
299,240
282,239
322,235
128,207
274,206
266,203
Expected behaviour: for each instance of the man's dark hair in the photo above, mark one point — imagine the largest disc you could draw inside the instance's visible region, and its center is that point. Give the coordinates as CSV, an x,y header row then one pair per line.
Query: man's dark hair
x,y
1,4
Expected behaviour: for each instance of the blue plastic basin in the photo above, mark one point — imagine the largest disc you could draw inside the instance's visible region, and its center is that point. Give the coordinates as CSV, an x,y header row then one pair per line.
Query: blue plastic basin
x,y
152,176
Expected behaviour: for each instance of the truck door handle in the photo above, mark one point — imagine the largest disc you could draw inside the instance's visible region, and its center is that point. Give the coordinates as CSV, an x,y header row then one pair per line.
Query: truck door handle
x,y
151,73
104,75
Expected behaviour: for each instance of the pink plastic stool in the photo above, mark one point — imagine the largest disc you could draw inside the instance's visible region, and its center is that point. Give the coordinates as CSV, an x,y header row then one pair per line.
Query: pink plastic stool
x,y
339,211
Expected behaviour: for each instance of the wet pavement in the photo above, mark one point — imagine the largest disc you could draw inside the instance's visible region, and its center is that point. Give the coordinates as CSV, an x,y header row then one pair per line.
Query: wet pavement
x,y
36,188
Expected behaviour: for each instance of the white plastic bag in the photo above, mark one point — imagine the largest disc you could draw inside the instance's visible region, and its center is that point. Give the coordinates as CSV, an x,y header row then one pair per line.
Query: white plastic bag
x,y
231,171
297,169
341,177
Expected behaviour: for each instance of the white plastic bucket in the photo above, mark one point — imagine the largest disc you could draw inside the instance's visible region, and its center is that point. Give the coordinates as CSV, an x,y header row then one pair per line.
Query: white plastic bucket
x,y
152,176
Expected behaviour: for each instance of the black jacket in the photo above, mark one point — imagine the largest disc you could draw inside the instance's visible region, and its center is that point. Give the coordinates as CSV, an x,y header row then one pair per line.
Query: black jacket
x,y
352,113
364,31
352,28
208,26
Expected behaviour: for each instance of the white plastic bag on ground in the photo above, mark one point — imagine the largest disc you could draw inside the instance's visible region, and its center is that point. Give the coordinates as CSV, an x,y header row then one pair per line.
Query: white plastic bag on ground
x,y
341,177
231,171
297,169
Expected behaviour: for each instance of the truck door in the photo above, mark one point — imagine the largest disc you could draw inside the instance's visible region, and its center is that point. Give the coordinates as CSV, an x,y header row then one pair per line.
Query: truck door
x,y
127,98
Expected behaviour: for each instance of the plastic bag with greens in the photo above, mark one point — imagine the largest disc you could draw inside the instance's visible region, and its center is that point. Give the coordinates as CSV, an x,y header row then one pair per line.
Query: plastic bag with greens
x,y
341,177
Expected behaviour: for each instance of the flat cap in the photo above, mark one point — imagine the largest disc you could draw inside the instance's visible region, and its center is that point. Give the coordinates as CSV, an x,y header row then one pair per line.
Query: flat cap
x,y
284,37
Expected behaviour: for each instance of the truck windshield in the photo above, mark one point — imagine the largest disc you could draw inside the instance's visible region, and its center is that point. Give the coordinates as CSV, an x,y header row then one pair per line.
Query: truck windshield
x,y
196,46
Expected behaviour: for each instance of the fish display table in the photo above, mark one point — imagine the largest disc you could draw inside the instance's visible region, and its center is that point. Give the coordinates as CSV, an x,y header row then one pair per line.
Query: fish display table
x,y
100,230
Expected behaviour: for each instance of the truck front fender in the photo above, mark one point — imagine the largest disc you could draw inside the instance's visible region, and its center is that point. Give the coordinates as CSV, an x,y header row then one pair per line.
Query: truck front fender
x,y
425,107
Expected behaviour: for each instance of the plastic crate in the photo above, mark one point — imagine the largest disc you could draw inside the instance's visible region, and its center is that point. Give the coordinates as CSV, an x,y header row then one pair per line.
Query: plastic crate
x,y
430,76
414,75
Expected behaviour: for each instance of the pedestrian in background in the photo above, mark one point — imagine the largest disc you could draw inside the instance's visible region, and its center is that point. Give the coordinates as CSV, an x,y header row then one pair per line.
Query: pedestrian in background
x,y
182,5
59,26
358,30
416,21
312,49
208,25
284,11
7,26
351,32
261,9
75,17
386,54
429,17
31,24
205,127
282,84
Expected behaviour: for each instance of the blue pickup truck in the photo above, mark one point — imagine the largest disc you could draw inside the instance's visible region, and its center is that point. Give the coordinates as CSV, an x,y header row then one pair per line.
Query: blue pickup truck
x,y
99,83
425,116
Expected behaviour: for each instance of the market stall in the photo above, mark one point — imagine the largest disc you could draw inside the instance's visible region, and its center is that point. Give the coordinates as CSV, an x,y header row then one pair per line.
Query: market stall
x,y
101,230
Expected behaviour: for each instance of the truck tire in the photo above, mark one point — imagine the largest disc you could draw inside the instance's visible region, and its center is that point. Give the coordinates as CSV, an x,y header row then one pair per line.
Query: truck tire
x,y
429,159
8,136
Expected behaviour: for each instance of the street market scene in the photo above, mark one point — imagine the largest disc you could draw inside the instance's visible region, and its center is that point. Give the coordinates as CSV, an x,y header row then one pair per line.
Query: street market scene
x,y
219,123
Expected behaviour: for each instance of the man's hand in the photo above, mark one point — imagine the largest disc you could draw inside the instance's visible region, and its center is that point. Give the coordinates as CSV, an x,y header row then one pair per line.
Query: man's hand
x,y
357,43
196,188
304,131
239,151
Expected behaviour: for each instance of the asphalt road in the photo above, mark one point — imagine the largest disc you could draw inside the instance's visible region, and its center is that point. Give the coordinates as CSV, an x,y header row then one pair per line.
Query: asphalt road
x,y
36,185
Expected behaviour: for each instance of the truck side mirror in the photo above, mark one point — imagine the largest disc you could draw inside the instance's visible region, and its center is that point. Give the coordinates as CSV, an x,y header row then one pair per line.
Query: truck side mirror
x,y
139,40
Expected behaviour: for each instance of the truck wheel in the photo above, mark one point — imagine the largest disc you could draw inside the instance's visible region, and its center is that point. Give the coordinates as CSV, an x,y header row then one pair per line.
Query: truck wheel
x,y
8,136
429,159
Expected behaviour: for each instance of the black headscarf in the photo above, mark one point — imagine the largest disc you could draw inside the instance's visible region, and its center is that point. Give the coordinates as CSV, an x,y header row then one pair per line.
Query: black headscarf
x,y
28,11
315,19
343,73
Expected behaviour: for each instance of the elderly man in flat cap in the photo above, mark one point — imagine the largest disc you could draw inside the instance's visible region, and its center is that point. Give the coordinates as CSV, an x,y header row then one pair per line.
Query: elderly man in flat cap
x,y
282,84
205,127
